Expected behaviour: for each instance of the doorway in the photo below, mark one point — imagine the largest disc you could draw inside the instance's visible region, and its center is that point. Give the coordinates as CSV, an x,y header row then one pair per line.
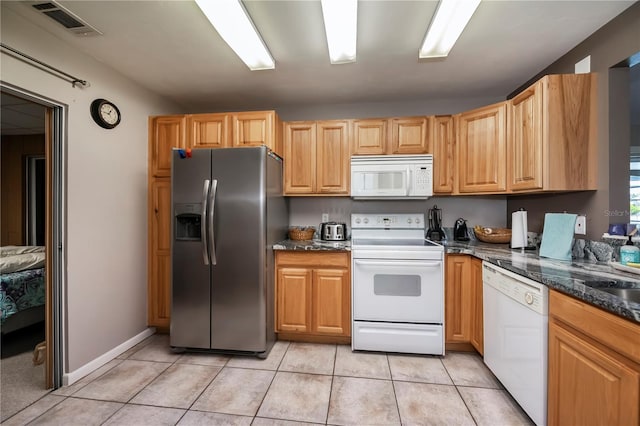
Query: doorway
x,y
32,228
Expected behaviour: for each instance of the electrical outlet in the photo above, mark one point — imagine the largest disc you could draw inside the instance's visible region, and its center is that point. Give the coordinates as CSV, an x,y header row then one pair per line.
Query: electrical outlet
x,y
581,225
325,217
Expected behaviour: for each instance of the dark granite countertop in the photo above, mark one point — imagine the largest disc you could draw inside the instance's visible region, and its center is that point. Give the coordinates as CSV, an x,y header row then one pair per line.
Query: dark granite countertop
x,y
578,278
313,245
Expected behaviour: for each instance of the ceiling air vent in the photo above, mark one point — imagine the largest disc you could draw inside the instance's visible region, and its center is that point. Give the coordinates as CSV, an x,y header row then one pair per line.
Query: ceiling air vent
x,y
64,17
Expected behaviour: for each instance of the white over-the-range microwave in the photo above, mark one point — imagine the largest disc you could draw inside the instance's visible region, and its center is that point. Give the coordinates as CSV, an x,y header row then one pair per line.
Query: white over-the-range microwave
x,y
392,176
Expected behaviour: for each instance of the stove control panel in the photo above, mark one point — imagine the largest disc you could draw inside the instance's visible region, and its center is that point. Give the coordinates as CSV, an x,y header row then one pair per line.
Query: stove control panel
x,y
387,221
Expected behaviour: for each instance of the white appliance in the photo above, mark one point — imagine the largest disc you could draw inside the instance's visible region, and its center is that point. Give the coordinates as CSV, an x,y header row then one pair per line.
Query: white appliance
x,y
515,336
397,285
392,176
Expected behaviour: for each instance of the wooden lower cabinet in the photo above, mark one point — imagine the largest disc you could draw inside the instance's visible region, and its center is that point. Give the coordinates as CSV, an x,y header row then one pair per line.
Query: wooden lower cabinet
x,y
594,365
477,320
313,295
457,296
463,303
159,284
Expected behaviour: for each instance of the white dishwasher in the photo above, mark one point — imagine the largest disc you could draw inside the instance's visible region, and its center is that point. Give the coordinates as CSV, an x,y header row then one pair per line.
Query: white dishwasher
x,y
515,336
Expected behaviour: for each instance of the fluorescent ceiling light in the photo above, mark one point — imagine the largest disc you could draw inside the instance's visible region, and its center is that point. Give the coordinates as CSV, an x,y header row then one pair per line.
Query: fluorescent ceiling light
x,y
446,26
341,26
234,25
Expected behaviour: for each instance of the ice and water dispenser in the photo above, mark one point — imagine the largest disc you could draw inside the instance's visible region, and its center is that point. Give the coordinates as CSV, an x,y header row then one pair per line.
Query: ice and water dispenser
x,y
188,222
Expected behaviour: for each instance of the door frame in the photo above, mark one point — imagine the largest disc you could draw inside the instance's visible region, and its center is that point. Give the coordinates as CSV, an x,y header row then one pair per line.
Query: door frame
x,y
55,236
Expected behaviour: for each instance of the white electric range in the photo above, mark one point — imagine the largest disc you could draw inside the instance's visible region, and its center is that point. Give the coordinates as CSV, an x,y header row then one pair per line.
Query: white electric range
x,y
397,285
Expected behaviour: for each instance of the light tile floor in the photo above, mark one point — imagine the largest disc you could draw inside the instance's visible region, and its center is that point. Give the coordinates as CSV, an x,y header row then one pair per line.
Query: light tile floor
x,y
298,383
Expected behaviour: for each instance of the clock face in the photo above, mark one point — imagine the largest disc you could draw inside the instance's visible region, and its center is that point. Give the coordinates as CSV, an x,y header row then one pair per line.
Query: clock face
x,y
109,113
105,113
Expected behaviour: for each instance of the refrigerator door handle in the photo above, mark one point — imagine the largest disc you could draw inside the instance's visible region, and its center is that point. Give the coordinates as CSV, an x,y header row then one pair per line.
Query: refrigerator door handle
x,y
203,221
212,207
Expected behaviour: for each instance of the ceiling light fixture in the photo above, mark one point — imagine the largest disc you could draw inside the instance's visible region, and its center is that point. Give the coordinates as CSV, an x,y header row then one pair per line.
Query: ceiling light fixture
x,y
446,26
234,25
341,27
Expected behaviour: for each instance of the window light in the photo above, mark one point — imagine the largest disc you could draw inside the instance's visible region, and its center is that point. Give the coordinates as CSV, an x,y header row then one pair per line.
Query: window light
x,y
341,26
446,26
234,25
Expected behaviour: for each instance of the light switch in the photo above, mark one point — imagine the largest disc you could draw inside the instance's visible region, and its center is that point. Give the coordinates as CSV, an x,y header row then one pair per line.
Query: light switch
x,y
325,217
581,225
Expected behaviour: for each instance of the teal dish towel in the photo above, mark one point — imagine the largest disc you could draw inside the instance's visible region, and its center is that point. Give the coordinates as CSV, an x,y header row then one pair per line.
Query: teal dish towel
x,y
557,235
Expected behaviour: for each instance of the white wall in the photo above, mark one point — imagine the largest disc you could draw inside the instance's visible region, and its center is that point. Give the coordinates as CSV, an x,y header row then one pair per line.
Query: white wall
x,y
485,211
106,275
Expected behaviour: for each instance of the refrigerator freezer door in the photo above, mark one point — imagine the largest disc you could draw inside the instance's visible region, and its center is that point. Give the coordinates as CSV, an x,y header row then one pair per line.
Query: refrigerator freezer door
x,y
190,284
238,300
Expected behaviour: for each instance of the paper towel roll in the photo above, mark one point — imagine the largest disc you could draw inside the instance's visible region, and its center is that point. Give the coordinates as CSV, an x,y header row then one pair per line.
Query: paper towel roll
x,y
519,229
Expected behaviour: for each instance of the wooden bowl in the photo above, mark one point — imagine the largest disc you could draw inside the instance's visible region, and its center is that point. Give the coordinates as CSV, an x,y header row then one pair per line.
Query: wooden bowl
x,y
493,235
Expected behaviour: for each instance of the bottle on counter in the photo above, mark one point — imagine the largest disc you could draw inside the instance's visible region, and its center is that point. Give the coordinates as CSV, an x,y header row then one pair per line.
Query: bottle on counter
x,y
629,252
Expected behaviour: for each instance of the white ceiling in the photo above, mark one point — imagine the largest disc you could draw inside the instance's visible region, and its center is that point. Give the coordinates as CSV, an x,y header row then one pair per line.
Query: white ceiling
x,y
170,48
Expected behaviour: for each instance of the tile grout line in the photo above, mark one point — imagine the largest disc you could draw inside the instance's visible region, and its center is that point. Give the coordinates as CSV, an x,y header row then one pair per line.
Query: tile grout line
x,y
333,374
393,386
203,390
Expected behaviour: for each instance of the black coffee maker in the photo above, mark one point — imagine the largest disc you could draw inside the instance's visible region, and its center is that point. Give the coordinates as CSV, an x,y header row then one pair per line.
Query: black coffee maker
x,y
460,230
435,231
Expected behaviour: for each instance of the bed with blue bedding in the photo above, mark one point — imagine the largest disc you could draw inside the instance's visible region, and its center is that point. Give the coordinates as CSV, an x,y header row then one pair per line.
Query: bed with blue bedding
x,y
22,287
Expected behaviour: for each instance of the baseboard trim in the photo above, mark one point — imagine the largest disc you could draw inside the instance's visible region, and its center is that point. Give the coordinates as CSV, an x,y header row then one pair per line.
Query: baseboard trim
x,y
74,376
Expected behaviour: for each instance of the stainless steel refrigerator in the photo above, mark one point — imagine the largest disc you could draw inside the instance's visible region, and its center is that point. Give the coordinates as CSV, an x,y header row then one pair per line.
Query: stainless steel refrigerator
x,y
228,210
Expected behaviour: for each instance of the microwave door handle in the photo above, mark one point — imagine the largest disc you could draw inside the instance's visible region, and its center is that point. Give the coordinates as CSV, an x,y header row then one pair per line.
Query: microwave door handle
x,y
408,181
203,221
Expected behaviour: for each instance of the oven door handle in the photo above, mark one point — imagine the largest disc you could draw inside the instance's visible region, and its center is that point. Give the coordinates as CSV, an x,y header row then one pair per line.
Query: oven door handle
x,y
416,263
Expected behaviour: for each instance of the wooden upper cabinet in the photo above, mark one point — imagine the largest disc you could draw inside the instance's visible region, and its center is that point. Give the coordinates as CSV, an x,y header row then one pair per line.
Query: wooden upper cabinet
x,y
300,157
552,135
209,130
316,158
482,149
165,133
332,157
443,141
410,135
369,137
253,128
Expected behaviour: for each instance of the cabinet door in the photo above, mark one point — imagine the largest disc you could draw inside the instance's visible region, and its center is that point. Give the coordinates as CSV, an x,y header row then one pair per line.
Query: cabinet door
x,y
525,145
457,298
332,158
443,150
159,285
254,128
331,302
589,385
299,157
477,321
369,137
166,133
293,293
482,154
410,135
209,130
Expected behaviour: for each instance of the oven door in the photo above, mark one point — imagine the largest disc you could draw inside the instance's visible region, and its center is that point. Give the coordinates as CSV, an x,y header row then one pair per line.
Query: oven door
x,y
398,290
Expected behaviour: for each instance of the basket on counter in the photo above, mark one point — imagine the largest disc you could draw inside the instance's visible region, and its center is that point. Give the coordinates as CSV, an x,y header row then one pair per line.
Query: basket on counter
x,y
302,233
492,235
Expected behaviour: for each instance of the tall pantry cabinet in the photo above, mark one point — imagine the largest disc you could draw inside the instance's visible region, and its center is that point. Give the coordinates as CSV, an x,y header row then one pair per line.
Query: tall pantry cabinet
x,y
165,133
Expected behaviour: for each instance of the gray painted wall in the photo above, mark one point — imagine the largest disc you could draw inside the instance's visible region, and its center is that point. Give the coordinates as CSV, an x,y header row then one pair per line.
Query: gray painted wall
x,y
610,45
106,191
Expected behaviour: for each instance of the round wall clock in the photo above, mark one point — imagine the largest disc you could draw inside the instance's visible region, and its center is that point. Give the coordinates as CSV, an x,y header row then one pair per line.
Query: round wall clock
x,y
105,113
